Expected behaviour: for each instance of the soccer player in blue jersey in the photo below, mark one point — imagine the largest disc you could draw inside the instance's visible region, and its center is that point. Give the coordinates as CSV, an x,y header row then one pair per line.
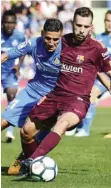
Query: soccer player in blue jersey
x,y
10,37
45,51
98,89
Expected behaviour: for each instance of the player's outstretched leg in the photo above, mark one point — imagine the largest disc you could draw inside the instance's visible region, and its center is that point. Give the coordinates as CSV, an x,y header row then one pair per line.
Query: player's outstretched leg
x,y
15,168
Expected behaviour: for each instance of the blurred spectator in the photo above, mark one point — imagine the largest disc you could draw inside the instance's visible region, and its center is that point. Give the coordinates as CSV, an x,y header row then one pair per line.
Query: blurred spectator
x,y
108,4
48,9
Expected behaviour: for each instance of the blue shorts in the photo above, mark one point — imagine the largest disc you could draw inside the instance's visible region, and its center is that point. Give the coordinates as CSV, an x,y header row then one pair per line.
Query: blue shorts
x,y
100,86
9,80
19,109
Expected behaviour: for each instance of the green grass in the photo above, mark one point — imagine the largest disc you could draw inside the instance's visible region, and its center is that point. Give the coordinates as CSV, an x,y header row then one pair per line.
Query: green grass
x,y
82,162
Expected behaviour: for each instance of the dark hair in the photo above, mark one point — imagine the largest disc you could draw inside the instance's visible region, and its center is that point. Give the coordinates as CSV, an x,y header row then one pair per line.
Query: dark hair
x,y
53,25
8,13
84,12
108,12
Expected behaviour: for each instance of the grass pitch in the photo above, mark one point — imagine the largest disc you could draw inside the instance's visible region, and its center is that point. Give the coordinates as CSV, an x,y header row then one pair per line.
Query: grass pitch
x,y
82,162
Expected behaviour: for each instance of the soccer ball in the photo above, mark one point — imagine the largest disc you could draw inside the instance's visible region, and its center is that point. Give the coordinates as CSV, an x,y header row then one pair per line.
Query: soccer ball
x,y
44,169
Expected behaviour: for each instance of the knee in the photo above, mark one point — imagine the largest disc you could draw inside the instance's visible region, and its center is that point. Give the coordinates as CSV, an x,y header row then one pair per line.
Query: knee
x,y
25,134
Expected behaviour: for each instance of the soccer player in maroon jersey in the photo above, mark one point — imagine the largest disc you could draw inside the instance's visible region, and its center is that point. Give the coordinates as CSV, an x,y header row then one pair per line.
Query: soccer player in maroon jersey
x,y
82,57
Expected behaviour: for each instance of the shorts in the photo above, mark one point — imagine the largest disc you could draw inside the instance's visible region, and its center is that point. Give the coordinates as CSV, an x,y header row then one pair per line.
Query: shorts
x,y
19,109
9,80
50,107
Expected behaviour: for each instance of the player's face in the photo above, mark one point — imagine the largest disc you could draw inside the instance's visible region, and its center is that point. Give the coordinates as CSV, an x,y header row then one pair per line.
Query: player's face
x,y
82,27
9,24
51,40
107,23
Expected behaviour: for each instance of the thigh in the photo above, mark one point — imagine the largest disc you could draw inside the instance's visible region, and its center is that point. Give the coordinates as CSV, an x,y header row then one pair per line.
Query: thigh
x,y
77,106
11,93
70,118
29,130
70,114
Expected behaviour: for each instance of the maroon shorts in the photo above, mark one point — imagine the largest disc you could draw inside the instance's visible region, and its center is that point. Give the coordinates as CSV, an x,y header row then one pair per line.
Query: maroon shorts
x,y
49,107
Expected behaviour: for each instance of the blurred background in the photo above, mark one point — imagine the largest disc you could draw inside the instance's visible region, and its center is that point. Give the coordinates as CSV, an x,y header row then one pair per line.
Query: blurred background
x,y
31,16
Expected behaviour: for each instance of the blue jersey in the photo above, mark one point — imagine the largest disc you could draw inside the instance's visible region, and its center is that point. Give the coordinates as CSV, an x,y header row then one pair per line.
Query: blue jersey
x,y
47,64
47,70
106,39
7,42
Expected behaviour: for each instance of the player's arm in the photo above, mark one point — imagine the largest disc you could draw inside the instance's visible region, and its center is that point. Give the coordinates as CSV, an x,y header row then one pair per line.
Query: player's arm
x,y
17,65
105,80
16,52
4,57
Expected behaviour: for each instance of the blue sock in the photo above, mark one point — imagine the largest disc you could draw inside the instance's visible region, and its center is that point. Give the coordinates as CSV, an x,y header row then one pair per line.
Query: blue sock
x,y
87,121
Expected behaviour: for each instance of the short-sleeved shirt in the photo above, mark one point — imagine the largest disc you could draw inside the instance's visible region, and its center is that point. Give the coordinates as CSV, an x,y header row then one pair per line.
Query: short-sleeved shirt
x,y
80,64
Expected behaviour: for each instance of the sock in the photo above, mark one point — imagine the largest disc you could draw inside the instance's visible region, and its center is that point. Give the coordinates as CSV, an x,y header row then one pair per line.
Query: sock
x,y
10,128
48,143
87,121
29,148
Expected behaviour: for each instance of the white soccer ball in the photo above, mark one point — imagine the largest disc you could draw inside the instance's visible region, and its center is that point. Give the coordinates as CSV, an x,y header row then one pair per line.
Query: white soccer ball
x,y
44,169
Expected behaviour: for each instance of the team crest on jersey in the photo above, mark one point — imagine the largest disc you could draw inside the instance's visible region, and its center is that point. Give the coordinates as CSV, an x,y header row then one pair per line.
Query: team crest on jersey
x,y
14,42
57,61
80,59
22,45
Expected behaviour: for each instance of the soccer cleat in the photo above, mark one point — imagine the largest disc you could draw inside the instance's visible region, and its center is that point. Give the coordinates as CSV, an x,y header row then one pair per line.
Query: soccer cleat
x,y
70,133
9,137
81,133
25,169
14,169
107,136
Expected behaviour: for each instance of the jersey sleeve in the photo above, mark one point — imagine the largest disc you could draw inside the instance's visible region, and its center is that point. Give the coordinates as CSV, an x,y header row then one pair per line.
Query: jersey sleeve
x,y
21,50
104,60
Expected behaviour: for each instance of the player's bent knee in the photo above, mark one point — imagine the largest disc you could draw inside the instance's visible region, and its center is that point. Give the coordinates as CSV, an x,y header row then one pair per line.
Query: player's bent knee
x,y
25,136
28,132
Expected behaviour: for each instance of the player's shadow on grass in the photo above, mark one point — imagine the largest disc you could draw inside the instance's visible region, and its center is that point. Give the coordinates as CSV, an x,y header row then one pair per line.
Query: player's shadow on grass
x,y
4,141
26,179
4,170
104,133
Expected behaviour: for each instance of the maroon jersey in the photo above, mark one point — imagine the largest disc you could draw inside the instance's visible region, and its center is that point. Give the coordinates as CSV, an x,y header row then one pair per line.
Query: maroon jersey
x,y
80,64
